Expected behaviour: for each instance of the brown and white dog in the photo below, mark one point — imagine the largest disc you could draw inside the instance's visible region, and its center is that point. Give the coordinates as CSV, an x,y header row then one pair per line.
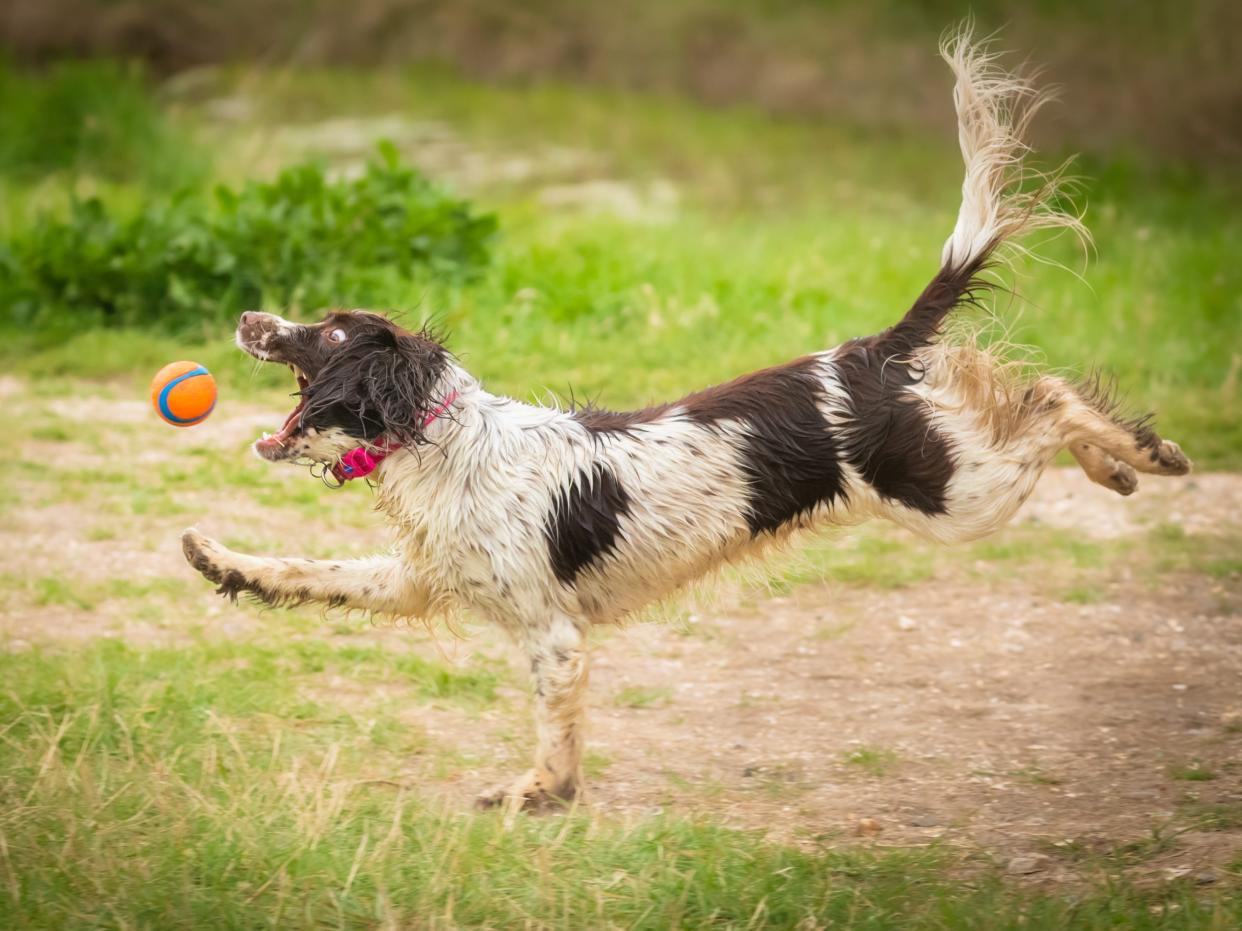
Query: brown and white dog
x,y
550,521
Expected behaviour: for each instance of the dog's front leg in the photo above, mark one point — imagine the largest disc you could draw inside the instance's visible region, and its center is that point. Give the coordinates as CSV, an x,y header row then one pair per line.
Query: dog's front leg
x,y
559,664
380,583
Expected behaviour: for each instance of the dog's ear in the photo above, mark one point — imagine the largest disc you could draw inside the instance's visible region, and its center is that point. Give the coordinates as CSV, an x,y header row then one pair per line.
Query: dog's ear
x,y
382,381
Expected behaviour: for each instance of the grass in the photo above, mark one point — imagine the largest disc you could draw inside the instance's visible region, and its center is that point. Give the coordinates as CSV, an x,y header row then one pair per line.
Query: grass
x,y
874,556
874,761
1082,595
1194,771
637,696
1214,816
200,788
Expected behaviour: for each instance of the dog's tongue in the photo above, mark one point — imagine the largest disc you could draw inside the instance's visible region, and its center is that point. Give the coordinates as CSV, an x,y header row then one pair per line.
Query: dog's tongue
x,y
278,439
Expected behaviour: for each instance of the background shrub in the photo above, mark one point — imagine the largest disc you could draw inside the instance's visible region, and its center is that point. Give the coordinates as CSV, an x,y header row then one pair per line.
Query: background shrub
x,y
300,239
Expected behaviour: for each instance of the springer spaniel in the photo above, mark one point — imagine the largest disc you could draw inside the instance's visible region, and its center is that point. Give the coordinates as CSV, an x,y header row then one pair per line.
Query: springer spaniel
x,y
548,521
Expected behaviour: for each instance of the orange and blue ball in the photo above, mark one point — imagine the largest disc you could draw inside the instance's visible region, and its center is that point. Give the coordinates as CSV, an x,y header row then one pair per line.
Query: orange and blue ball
x,y
183,393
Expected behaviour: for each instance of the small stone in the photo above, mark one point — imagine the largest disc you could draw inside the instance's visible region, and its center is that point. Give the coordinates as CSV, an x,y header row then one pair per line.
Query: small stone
x,y
868,827
925,820
1031,863
1205,878
906,623
1180,687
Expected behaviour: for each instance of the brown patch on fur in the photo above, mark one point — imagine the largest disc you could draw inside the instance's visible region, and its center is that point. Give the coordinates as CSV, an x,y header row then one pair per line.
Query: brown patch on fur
x,y
600,420
891,440
789,452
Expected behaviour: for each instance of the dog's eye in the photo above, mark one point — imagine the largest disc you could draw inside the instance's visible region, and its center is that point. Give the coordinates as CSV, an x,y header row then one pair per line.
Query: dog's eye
x,y
337,336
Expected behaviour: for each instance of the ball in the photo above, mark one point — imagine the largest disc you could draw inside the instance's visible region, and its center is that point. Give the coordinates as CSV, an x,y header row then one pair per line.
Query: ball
x,y
183,393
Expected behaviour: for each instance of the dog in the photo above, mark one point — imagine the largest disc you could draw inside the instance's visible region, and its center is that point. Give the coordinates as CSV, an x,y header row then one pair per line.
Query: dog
x,y
550,521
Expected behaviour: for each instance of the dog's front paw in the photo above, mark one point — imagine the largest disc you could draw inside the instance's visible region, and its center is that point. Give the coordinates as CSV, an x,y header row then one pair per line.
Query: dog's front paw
x,y
203,553
213,561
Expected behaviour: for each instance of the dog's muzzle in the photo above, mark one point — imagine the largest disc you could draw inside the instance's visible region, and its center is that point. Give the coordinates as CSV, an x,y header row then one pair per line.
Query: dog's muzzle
x,y
255,331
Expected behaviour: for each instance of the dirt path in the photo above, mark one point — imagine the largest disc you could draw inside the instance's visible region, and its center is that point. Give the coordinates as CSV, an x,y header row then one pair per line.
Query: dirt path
x,y
995,717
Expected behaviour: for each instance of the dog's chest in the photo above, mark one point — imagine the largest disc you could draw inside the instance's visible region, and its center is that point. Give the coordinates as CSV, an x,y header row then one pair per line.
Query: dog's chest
x,y
479,540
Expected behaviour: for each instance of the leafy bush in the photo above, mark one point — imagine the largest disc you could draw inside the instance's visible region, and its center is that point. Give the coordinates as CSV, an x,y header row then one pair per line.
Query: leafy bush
x,y
93,117
300,239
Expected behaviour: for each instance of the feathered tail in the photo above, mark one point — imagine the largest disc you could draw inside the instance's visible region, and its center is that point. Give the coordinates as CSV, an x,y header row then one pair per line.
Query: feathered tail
x,y
1001,198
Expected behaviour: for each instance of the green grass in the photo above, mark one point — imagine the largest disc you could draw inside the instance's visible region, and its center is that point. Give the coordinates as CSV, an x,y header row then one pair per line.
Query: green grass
x,y
1194,771
80,594
1082,595
638,696
199,788
1218,816
876,556
874,761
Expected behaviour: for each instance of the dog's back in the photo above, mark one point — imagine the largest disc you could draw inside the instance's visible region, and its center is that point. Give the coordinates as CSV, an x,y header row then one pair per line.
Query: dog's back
x,y
937,435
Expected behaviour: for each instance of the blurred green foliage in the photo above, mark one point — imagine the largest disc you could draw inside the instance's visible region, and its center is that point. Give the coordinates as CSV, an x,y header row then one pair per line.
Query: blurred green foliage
x,y
92,118
300,239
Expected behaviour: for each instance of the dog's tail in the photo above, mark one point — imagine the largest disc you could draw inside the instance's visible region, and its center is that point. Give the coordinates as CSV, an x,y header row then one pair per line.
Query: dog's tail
x,y
1001,197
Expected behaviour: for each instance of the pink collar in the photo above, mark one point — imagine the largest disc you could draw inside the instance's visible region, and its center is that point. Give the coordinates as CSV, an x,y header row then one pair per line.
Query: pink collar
x,y
361,461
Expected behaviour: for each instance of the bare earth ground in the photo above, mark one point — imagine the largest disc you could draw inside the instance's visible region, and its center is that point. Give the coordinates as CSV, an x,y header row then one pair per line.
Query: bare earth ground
x,y
976,708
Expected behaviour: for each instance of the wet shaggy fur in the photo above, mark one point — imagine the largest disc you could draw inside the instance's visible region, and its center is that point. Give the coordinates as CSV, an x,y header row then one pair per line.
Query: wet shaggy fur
x,y
550,521
381,381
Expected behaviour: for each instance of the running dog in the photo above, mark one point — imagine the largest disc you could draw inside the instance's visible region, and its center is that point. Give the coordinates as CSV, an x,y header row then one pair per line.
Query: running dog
x,y
549,521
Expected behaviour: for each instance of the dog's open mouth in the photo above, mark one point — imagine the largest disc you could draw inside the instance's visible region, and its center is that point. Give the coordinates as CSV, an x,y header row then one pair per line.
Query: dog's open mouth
x,y
273,445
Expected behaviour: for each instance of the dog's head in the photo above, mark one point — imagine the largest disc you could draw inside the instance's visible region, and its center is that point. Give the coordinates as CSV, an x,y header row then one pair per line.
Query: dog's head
x,y
359,376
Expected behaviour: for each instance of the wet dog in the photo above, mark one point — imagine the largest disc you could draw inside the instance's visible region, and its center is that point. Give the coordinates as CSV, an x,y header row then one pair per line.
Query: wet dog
x,y
550,521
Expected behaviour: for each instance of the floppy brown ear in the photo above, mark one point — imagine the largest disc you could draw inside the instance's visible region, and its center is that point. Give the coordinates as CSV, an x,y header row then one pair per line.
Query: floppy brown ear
x,y
382,381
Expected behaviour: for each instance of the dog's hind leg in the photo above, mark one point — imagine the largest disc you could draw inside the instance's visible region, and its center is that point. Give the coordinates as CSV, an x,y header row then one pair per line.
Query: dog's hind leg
x,y
1084,419
559,664
381,583
1055,414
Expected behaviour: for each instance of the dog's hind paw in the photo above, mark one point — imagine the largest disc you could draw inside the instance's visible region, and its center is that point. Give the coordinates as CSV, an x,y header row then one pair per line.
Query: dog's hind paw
x,y
1123,479
1170,458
